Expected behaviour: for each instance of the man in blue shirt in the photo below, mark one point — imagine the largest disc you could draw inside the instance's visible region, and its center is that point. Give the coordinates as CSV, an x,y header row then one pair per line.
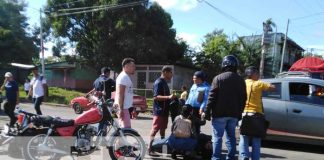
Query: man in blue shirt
x,y
198,95
105,85
12,95
161,102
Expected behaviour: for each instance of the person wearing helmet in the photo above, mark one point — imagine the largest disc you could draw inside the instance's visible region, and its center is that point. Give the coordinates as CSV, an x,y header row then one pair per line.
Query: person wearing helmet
x,y
253,106
226,101
12,95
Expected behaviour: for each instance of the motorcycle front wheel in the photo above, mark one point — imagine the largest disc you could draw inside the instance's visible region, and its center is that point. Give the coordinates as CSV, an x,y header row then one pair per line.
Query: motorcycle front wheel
x,y
32,152
130,146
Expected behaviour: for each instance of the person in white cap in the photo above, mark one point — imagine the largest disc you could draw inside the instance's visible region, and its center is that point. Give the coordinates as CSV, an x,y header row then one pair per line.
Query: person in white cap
x,y
37,90
12,95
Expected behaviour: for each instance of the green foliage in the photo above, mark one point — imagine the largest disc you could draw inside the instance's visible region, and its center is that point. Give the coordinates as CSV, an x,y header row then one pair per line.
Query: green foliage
x,y
250,51
15,44
105,37
56,95
62,96
217,45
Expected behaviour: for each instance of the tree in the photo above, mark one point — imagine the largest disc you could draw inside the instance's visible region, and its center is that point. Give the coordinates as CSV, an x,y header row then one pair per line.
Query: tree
x,y
15,44
215,46
250,51
143,32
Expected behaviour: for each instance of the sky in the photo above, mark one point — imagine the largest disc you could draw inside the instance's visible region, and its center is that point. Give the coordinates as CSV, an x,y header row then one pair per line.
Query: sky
x,y
193,19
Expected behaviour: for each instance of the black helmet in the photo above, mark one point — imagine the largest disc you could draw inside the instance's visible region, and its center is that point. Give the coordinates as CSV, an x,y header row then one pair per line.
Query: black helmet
x,y
249,71
230,63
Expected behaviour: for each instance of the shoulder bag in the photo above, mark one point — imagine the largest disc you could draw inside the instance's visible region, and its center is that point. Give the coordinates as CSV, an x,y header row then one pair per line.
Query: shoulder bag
x,y
254,125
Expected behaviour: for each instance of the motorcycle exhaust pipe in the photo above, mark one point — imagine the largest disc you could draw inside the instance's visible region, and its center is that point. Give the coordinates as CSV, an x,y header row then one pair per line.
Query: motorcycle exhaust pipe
x,y
44,147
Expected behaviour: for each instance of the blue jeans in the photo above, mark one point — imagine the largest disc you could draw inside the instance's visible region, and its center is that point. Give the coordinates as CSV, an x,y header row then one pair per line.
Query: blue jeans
x,y
244,147
182,144
220,125
37,102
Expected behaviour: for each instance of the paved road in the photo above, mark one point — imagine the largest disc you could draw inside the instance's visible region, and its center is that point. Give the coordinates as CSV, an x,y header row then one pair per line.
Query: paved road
x,y
270,150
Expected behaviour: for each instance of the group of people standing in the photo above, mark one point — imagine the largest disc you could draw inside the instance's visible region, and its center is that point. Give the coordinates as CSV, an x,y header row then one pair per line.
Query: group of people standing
x,y
225,102
35,88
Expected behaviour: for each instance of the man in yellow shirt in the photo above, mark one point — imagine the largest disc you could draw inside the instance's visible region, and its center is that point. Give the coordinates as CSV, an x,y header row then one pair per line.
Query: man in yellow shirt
x,y
254,88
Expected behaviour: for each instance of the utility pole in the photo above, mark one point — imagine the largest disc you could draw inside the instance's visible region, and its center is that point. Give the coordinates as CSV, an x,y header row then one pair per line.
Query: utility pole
x,y
262,56
284,48
265,42
41,41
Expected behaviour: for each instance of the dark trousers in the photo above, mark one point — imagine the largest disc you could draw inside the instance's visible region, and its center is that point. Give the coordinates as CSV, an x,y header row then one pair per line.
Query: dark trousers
x,y
196,114
9,108
37,102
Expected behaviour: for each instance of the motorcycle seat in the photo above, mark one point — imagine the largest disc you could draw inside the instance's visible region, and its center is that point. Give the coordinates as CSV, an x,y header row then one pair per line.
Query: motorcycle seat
x,y
41,120
48,121
58,122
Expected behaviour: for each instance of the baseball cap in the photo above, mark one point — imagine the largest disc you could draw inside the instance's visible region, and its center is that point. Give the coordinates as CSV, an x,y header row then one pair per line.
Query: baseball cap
x,y
8,74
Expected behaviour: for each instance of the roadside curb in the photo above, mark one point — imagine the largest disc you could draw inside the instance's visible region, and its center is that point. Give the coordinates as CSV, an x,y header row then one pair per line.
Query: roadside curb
x,y
55,104
47,103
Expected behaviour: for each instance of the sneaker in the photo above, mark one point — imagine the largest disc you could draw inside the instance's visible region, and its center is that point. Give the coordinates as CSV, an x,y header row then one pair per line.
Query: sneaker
x,y
151,152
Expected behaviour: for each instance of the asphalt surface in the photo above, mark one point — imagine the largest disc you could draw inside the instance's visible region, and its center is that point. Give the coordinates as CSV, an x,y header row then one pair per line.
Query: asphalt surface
x,y
270,150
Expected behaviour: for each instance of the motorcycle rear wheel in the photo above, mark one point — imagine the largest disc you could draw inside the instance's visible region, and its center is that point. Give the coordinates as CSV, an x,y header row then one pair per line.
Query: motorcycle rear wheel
x,y
134,149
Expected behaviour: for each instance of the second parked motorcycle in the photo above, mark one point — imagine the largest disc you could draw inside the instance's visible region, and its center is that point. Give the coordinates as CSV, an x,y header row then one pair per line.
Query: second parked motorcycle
x,y
19,135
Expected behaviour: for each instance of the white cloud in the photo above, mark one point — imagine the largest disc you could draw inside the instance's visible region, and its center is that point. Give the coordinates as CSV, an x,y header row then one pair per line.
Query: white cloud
x,y
191,39
183,5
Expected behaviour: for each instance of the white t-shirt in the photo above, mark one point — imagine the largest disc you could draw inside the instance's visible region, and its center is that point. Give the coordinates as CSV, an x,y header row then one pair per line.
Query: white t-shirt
x,y
37,84
124,79
26,86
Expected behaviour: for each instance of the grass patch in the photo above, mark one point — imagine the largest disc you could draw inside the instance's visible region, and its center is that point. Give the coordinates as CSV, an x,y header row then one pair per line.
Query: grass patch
x,y
56,95
149,102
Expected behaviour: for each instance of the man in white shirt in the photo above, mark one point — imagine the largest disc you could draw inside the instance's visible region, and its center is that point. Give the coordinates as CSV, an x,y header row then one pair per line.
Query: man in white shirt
x,y
27,86
124,92
37,89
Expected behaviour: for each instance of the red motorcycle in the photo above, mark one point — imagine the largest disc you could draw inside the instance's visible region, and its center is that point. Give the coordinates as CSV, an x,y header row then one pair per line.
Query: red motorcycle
x,y
78,136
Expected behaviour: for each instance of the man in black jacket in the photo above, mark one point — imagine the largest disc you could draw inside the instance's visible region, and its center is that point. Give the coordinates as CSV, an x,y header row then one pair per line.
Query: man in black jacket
x,y
225,105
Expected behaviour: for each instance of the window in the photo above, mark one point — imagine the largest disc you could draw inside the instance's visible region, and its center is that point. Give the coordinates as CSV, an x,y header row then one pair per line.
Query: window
x,y
307,93
153,76
276,94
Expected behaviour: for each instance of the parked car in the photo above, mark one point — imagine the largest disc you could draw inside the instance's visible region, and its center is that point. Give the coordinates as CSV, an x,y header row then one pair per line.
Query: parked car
x,y
80,104
295,110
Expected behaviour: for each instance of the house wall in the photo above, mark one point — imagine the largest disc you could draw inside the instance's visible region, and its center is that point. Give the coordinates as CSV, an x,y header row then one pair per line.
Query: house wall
x,y
145,76
77,78
19,74
182,76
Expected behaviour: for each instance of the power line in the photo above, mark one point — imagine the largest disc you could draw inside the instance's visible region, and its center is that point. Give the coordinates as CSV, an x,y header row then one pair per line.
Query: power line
x,y
301,6
99,8
311,15
67,3
310,24
235,20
